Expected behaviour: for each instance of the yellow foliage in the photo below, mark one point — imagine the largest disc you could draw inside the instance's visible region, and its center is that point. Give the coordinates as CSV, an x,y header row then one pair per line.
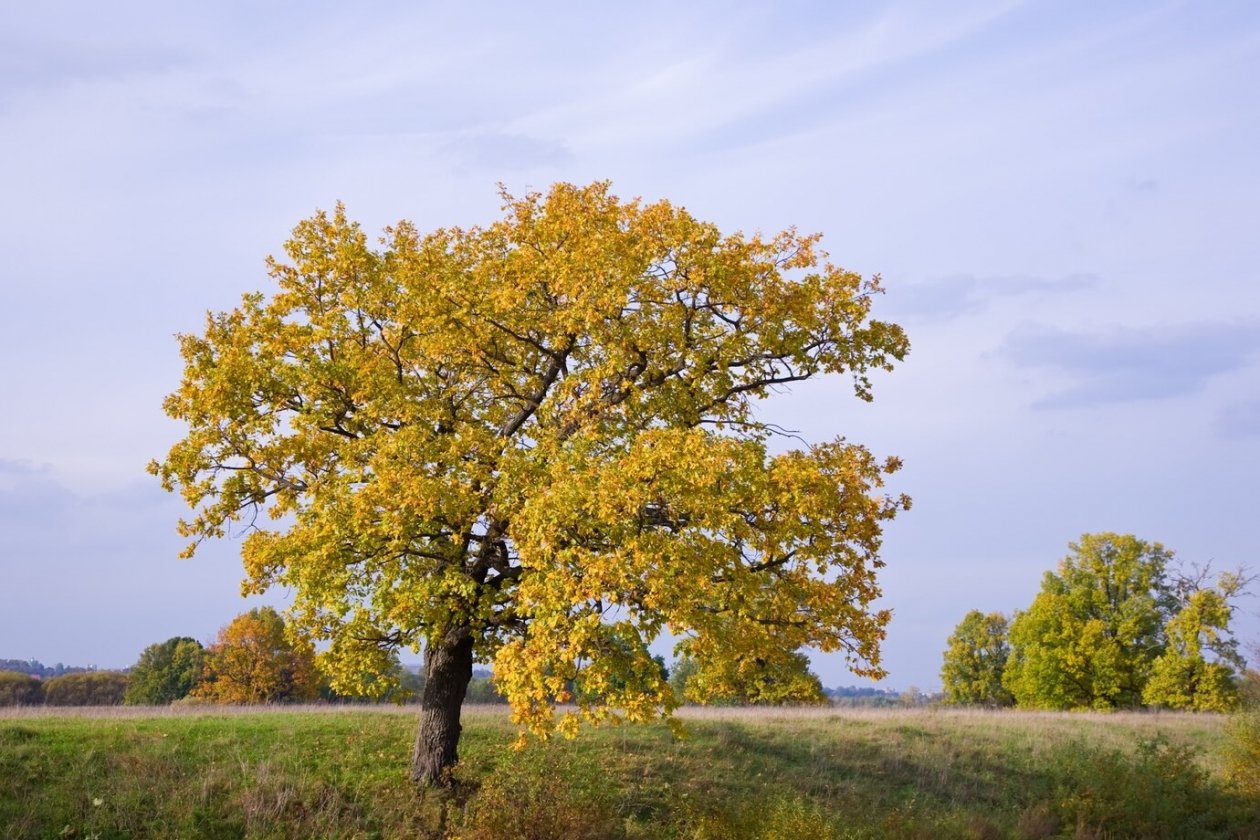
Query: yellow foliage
x,y
252,661
543,431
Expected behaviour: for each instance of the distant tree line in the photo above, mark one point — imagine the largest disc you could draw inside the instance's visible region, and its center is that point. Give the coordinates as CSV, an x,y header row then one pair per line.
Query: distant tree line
x,y
852,695
35,668
80,688
252,660
1117,625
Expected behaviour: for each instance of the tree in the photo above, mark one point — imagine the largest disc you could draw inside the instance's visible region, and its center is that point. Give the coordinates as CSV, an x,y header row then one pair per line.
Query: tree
x,y
975,660
782,679
166,672
86,688
1117,626
253,661
1091,634
911,697
535,444
1182,676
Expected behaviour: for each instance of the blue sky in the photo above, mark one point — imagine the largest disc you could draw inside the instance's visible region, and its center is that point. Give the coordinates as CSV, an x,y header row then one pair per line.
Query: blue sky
x,y
1062,200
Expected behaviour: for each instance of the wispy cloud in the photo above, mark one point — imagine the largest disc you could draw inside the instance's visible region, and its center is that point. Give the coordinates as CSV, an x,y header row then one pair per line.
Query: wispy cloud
x,y
499,152
712,86
1239,420
35,67
1132,364
963,294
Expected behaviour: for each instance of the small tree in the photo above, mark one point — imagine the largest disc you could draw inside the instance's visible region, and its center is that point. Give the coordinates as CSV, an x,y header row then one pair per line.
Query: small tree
x,y
782,680
975,660
254,661
166,672
1183,677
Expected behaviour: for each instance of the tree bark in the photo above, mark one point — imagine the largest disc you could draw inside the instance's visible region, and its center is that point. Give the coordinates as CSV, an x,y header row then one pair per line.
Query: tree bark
x,y
448,663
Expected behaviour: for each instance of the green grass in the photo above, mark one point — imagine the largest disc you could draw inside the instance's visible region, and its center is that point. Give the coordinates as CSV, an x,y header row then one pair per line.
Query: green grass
x,y
829,773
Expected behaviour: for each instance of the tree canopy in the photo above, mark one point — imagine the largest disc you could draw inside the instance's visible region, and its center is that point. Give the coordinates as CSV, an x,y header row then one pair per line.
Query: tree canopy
x,y
166,672
19,689
1183,676
975,659
535,444
783,679
253,661
1117,626
86,688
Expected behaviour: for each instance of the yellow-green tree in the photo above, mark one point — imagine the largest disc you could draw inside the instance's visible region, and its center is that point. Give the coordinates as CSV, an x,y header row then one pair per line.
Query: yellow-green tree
x,y
166,672
1089,638
253,661
783,679
535,444
1117,626
1183,677
975,659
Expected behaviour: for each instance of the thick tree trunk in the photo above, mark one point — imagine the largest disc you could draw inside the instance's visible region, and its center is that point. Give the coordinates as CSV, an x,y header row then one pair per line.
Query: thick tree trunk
x,y
448,663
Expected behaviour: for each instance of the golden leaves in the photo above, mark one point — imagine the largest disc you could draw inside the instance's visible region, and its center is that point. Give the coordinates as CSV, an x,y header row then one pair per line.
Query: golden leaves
x,y
544,430
253,661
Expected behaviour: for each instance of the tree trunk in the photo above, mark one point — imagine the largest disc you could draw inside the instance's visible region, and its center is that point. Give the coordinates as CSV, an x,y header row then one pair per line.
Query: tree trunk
x,y
448,665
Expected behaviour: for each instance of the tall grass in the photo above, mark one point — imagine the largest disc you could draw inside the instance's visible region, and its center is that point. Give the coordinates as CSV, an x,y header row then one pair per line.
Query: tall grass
x,y
336,771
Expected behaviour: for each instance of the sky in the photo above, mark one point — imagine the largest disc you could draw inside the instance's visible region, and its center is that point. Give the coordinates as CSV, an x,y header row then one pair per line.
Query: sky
x,y
1061,198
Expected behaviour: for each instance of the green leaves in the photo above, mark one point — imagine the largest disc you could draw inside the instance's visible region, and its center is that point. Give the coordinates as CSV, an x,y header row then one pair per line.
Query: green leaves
x,y
975,660
166,672
1114,628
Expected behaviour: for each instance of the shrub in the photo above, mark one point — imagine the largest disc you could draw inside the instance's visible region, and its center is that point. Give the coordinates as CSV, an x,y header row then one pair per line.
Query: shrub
x,y
20,689
1242,753
1160,791
540,793
482,690
93,688
781,818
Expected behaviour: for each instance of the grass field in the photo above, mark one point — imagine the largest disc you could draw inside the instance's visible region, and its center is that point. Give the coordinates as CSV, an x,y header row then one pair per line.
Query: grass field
x,y
341,772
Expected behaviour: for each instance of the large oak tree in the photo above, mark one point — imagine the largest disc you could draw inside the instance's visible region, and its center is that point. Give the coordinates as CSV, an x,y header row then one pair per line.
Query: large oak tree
x,y
535,444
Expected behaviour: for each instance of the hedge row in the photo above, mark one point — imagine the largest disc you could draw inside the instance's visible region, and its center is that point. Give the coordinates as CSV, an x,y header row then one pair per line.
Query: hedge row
x,y
93,688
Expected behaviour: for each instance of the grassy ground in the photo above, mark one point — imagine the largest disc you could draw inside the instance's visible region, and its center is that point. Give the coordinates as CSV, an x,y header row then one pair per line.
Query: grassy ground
x,y
830,773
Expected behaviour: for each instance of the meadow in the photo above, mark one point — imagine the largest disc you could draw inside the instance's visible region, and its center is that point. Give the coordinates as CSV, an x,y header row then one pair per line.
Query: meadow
x,y
340,772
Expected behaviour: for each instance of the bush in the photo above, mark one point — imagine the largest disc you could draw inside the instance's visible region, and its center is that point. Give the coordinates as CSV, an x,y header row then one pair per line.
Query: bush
x,y
482,690
781,818
20,689
94,688
1160,791
1242,753
540,793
